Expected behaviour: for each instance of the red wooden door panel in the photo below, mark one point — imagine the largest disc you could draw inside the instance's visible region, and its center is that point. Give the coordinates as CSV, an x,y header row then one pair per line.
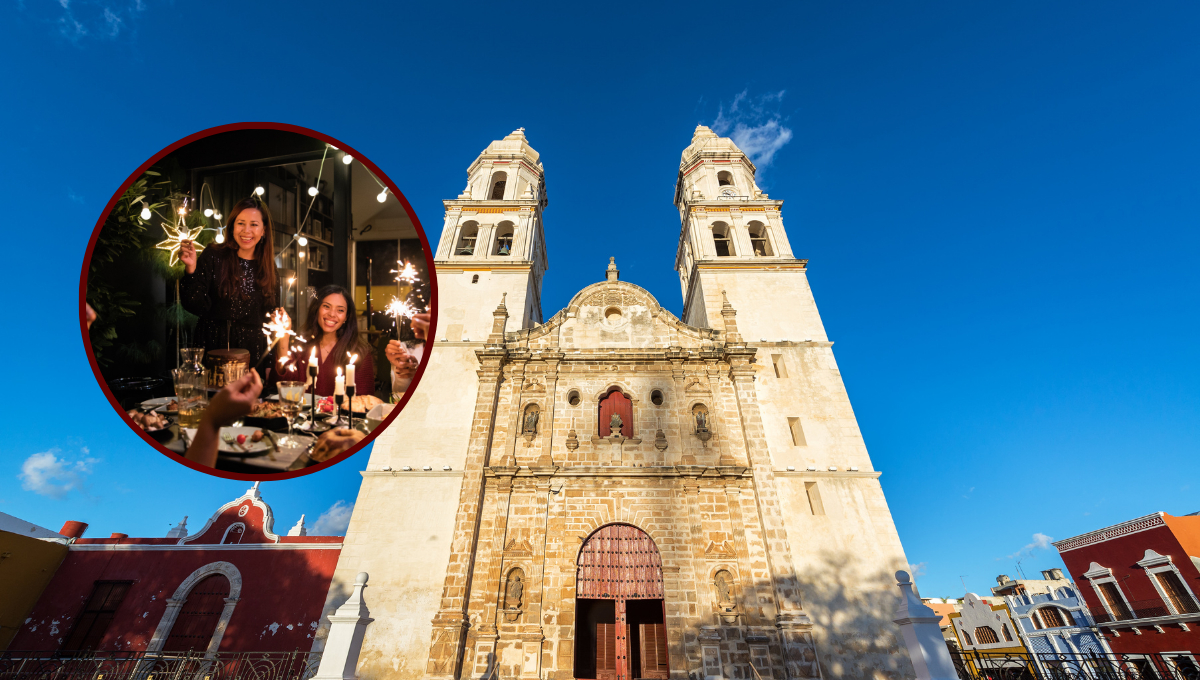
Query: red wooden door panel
x,y
654,651
618,403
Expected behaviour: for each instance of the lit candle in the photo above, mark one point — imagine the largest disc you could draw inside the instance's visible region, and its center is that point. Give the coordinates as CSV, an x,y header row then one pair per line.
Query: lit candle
x,y
339,383
313,368
350,370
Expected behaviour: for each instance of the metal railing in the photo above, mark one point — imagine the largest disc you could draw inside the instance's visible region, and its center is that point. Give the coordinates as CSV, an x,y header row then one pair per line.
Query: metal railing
x,y
26,665
1145,609
974,665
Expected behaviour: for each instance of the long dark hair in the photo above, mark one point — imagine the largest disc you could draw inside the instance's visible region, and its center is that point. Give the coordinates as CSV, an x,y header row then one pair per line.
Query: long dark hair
x,y
264,254
349,339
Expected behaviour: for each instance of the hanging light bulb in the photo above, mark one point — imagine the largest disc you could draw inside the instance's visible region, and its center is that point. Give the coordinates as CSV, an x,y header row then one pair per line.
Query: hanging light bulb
x,y
217,215
208,212
301,253
347,159
145,211
382,196
302,241
312,191
260,191
220,237
183,211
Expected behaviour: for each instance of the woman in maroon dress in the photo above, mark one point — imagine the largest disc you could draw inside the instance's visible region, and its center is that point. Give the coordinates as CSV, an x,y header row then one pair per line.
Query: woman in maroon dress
x,y
333,323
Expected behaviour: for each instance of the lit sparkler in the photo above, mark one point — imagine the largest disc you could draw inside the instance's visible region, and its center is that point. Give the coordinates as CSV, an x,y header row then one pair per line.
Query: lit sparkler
x,y
407,273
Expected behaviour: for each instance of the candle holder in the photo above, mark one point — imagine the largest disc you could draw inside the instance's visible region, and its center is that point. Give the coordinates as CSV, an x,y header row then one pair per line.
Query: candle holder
x,y
312,406
338,399
350,405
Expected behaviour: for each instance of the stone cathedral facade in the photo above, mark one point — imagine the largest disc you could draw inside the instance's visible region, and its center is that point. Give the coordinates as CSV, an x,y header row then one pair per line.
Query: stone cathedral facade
x,y
616,492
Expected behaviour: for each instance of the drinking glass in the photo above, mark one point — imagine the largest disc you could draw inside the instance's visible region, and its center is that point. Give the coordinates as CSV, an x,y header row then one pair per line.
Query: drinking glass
x,y
291,393
234,371
191,393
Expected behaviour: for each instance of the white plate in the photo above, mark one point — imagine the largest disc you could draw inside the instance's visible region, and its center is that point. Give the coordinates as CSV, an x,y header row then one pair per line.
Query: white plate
x,y
261,446
156,403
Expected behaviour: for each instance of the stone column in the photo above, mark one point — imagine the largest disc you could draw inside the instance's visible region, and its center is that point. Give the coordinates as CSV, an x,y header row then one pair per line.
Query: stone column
x,y
446,645
922,635
347,627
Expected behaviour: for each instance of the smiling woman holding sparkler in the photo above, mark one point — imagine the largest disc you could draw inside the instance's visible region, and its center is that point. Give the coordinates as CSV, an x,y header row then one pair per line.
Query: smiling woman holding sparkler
x,y
231,285
333,323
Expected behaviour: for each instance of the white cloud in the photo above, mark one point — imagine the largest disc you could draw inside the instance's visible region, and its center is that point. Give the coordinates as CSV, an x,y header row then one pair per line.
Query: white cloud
x,y
917,569
755,125
50,474
1040,542
101,19
333,522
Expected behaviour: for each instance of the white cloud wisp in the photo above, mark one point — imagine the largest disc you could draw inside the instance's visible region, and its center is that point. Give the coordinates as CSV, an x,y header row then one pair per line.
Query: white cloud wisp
x,y
755,125
334,521
50,474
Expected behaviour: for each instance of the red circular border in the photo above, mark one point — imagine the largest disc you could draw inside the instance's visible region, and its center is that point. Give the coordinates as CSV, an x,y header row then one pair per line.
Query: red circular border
x,y
433,295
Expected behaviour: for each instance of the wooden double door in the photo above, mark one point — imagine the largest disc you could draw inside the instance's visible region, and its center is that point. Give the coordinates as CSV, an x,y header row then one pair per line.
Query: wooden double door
x,y
620,631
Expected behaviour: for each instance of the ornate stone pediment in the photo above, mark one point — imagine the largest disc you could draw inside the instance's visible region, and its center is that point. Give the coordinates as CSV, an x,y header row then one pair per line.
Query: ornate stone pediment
x,y
720,550
518,548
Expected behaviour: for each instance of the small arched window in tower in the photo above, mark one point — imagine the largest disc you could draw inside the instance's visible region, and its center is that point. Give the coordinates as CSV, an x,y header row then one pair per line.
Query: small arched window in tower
x,y
475,278
725,178
504,239
466,239
759,240
722,239
656,397
498,181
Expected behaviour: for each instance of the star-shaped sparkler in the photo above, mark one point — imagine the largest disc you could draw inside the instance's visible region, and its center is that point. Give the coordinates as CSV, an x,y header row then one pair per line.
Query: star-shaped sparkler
x,y
176,235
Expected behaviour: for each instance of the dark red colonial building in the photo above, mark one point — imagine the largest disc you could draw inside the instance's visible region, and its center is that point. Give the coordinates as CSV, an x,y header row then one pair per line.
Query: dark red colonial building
x,y
233,586
1141,579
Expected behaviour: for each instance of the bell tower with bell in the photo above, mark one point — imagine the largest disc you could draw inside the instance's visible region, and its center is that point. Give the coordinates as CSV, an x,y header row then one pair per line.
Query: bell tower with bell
x,y
493,243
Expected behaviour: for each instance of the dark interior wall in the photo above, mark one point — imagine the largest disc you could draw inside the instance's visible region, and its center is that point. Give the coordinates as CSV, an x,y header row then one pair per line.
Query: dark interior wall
x,y
588,614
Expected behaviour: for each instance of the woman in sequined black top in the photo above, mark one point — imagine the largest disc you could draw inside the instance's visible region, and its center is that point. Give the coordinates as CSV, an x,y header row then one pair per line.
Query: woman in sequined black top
x,y
231,285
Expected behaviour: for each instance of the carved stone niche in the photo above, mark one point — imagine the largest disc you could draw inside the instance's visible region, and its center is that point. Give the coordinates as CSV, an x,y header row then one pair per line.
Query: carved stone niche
x,y
514,595
727,608
529,421
660,441
700,418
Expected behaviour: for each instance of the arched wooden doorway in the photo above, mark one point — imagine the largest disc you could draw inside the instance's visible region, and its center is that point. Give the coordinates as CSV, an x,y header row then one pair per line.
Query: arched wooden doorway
x,y
620,623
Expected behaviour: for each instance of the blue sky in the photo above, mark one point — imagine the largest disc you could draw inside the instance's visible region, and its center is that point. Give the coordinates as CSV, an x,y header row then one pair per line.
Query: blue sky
x,y
998,204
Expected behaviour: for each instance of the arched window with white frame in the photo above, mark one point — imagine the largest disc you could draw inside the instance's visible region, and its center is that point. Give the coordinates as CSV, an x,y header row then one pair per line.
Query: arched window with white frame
x,y
504,239
468,234
499,180
759,240
199,611
722,239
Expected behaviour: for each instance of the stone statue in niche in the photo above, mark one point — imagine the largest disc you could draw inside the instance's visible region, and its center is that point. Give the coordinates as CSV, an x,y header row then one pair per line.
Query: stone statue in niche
x,y
514,592
701,421
722,583
615,424
531,421
700,415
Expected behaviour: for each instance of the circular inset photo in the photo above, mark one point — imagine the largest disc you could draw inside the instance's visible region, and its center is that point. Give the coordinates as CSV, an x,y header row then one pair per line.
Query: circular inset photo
x,y
256,300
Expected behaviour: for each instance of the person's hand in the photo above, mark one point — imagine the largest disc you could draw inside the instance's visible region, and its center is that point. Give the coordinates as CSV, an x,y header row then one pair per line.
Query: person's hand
x,y
334,442
281,313
91,314
236,400
402,362
187,255
420,325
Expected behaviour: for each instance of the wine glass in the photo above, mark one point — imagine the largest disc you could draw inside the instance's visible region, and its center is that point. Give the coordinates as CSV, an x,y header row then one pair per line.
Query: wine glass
x,y
291,393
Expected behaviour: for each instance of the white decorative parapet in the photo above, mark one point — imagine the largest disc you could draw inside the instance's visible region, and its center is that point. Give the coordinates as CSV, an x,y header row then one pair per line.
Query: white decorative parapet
x,y
922,634
347,627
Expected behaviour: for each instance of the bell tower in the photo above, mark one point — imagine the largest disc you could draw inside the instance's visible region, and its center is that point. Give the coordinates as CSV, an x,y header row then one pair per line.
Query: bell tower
x,y
733,242
493,244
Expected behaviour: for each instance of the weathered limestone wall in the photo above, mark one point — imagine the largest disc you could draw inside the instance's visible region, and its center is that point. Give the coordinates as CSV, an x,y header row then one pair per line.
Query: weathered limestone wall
x,y
846,559
775,304
400,534
466,308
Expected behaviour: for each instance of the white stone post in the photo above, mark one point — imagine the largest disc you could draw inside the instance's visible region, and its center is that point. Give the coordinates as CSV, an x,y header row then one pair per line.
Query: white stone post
x,y
922,635
347,627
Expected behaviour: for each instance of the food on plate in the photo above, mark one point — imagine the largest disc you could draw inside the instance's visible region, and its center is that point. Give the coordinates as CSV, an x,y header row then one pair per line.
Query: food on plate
x,y
359,404
267,409
241,439
257,436
149,422
173,406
